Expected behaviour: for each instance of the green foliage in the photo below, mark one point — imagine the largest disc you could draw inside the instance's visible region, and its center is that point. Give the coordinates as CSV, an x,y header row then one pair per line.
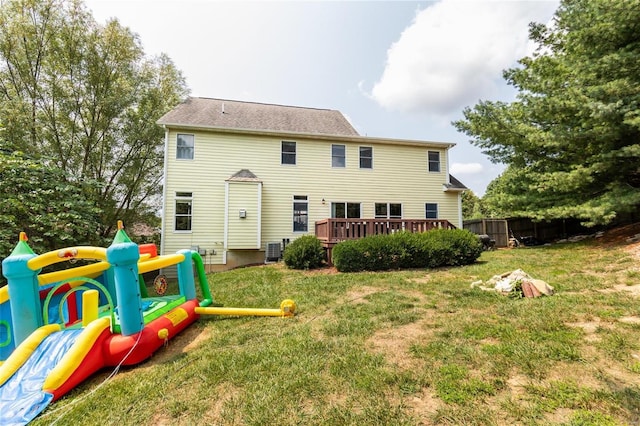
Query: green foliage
x,y
38,200
570,140
86,97
439,247
305,252
472,206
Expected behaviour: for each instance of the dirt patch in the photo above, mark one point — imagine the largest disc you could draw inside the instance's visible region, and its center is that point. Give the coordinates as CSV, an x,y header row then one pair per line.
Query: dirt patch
x,y
630,320
621,235
589,327
560,415
423,406
395,343
162,420
516,384
634,290
225,393
360,295
582,374
327,270
184,342
421,280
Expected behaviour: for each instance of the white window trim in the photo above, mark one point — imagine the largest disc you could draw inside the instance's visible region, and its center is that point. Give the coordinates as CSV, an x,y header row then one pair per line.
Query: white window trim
x,y
437,211
194,147
293,201
388,210
345,156
295,162
175,213
346,209
360,157
439,162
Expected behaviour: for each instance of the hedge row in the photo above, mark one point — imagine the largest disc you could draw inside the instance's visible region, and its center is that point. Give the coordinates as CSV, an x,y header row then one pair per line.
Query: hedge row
x,y
439,247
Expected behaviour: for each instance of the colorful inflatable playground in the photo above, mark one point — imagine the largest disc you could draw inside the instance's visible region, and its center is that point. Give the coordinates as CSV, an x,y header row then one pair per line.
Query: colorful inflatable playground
x,y
58,328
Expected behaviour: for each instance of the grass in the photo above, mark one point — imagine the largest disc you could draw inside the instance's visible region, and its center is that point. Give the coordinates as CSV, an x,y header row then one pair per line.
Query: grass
x,y
395,348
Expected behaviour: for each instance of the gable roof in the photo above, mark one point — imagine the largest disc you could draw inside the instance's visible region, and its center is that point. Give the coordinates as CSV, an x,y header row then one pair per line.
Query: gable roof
x,y
244,175
454,185
230,114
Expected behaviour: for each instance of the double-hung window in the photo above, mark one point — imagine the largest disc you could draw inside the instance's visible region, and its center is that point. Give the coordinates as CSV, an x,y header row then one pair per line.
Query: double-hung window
x,y
184,211
345,210
185,147
288,152
431,210
366,157
434,161
388,211
300,213
338,156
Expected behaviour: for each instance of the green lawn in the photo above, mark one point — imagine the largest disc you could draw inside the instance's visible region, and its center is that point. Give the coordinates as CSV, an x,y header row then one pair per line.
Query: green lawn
x,y
396,348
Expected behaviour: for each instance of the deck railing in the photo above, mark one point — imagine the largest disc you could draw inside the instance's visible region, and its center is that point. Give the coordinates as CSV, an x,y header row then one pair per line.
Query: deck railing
x,y
332,231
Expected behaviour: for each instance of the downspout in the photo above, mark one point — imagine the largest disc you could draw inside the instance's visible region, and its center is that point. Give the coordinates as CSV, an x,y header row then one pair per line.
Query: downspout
x,y
226,223
259,242
163,223
459,193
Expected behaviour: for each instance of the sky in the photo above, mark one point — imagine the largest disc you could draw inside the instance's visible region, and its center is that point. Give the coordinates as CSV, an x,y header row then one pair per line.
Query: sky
x,y
395,69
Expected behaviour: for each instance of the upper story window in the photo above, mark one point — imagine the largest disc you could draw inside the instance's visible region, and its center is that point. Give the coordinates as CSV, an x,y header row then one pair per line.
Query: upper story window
x,y
184,149
184,211
338,156
345,210
434,161
366,157
431,210
288,152
300,213
388,211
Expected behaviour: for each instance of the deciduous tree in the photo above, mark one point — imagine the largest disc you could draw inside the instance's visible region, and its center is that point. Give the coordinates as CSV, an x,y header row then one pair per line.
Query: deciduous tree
x,y
38,200
85,98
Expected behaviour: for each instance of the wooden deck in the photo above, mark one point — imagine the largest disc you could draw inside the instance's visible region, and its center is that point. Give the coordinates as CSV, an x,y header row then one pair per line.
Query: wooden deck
x,y
332,231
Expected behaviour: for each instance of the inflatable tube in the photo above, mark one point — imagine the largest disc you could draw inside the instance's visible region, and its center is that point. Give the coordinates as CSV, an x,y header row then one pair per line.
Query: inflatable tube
x,y
76,355
135,348
287,309
55,256
91,271
160,262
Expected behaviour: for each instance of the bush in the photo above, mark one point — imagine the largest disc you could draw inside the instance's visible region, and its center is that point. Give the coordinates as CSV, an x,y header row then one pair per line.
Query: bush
x,y
439,247
305,252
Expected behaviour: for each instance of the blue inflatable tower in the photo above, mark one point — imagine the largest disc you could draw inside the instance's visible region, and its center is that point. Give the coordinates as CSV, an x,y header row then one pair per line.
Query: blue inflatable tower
x,y
123,255
26,312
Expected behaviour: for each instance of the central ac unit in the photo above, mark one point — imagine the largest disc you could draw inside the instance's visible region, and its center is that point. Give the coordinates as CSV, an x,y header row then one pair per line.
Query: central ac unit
x,y
273,252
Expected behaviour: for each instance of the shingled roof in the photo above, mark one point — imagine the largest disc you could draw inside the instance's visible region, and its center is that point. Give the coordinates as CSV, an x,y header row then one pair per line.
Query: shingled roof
x,y
454,185
229,114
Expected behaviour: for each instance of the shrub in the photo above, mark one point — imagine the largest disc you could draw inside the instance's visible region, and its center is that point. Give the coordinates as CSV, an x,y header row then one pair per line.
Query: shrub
x,y
305,252
440,247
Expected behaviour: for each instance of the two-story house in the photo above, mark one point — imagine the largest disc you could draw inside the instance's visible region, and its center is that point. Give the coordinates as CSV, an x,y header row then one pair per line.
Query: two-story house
x,y
242,177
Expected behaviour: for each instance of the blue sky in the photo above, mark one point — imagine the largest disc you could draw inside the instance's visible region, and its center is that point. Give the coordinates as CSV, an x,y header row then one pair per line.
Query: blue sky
x,y
397,69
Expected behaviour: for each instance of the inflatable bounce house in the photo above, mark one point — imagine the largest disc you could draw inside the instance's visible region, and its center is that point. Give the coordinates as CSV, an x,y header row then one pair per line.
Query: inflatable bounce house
x,y
60,327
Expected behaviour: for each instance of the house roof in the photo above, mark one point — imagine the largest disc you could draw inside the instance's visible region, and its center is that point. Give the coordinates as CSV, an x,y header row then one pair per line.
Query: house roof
x,y
454,185
230,114
244,175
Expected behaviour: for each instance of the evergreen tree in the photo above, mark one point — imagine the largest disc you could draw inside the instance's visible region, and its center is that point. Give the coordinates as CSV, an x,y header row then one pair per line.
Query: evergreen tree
x,y
571,139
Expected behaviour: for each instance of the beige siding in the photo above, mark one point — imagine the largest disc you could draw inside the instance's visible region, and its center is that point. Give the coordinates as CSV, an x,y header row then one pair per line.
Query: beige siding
x,y
243,232
399,175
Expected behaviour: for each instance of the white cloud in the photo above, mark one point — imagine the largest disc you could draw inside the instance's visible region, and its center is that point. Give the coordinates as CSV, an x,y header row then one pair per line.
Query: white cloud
x,y
454,52
466,168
